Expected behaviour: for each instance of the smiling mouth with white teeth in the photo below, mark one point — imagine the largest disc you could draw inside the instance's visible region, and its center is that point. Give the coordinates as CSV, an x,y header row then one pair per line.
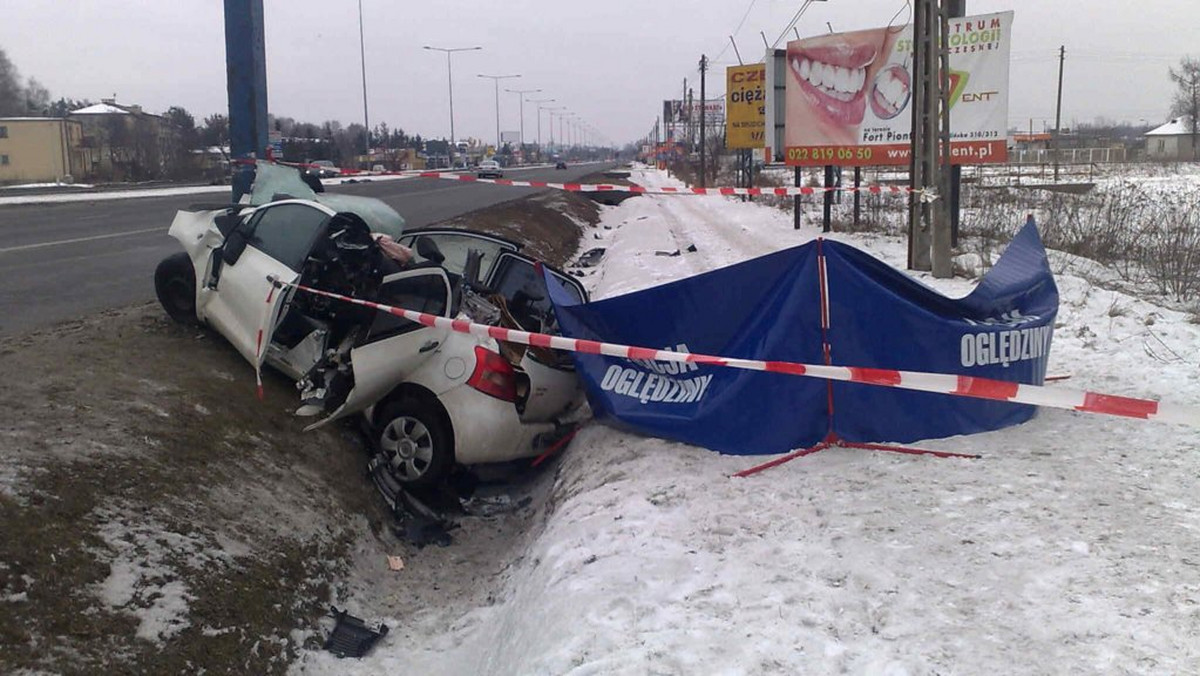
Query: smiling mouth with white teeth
x,y
833,80
841,83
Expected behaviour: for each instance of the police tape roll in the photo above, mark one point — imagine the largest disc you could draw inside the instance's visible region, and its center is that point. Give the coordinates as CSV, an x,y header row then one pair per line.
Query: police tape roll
x,y
939,383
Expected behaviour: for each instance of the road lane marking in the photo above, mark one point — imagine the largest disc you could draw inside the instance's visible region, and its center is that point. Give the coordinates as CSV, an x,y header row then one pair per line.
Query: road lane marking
x,y
26,247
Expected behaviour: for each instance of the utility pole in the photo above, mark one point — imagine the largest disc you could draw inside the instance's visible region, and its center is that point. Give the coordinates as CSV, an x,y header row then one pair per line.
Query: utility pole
x,y
943,266
1062,56
246,80
691,128
929,222
1194,121
954,9
703,70
684,113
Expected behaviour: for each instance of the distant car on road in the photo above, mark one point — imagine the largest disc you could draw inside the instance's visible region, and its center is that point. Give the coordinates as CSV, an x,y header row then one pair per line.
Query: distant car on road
x,y
561,164
323,169
489,169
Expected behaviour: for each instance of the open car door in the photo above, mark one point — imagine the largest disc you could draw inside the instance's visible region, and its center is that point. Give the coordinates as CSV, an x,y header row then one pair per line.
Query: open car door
x,y
393,346
553,386
515,277
454,245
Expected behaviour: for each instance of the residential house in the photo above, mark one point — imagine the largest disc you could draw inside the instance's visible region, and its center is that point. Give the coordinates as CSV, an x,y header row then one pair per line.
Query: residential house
x,y
123,142
40,150
1173,141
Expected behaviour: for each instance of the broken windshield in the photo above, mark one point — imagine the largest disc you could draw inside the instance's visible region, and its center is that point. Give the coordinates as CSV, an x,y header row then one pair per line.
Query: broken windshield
x,y
273,182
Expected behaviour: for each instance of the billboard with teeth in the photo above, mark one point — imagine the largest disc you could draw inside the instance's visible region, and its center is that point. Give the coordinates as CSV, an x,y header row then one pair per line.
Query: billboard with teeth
x,y
848,94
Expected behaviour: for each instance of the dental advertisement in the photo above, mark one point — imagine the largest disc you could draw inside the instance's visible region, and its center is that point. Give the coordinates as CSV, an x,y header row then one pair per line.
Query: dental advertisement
x,y
849,95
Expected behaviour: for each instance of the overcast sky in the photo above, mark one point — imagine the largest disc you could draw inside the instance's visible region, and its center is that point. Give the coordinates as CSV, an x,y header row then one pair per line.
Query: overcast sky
x,y
611,63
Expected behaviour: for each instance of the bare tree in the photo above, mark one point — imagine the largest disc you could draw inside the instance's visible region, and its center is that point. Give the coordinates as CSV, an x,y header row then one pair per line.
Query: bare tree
x,y
215,131
1187,95
37,99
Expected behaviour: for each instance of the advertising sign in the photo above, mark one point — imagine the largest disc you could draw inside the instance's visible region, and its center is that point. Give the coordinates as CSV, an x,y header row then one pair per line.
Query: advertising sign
x,y
681,122
746,100
677,112
275,144
849,94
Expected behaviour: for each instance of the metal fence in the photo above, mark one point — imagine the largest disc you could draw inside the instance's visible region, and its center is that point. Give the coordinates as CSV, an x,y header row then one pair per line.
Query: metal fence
x,y
1068,156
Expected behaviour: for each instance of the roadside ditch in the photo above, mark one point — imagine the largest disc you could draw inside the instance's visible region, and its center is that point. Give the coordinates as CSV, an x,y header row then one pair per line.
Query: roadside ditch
x,y
159,518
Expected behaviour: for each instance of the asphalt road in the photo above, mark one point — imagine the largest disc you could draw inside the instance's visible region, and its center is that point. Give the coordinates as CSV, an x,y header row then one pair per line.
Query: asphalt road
x,y
61,261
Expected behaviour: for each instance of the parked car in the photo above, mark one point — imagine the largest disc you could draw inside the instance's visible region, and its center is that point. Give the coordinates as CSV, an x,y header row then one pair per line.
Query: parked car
x,y
429,396
324,169
489,169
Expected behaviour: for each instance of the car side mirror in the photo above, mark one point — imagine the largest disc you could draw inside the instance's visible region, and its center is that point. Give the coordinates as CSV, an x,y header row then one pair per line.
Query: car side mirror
x,y
429,250
235,244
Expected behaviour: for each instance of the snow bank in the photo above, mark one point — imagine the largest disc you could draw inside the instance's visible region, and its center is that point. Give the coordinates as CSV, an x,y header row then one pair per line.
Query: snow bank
x,y
1071,546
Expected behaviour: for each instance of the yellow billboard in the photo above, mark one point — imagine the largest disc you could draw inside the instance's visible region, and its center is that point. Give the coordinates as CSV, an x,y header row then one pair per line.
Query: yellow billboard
x,y
745,106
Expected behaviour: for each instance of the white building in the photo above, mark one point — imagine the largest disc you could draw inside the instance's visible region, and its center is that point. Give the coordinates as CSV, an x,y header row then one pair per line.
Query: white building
x,y
1173,141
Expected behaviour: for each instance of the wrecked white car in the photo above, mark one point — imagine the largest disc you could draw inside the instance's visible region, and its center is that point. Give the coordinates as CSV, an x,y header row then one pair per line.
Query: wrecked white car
x,y
431,397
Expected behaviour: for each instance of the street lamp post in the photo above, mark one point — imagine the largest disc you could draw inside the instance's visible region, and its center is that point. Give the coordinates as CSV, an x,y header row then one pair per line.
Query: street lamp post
x,y
560,126
521,93
450,82
362,53
560,111
496,81
540,108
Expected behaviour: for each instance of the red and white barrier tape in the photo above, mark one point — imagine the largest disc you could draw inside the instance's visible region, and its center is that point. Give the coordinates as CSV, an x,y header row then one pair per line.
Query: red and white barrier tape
x,y
669,190
926,195
940,383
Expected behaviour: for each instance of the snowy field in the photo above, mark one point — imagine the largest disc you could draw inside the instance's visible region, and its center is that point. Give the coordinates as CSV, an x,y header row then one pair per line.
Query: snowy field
x,y
1071,547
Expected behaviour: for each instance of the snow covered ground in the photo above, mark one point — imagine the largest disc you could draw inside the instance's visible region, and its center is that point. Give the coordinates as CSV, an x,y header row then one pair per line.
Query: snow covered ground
x,y
1071,546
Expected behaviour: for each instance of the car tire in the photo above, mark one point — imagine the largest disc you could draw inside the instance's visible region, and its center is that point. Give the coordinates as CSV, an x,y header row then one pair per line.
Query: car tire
x,y
415,442
175,285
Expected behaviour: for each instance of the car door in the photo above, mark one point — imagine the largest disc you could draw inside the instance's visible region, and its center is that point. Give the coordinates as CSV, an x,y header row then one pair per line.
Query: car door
x,y
454,245
553,386
277,239
393,346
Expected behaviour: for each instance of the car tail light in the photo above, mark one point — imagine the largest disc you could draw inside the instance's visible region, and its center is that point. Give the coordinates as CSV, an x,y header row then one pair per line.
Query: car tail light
x,y
493,375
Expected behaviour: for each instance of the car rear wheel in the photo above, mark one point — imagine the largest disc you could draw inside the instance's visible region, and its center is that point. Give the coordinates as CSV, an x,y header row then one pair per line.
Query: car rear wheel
x,y
414,440
175,285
